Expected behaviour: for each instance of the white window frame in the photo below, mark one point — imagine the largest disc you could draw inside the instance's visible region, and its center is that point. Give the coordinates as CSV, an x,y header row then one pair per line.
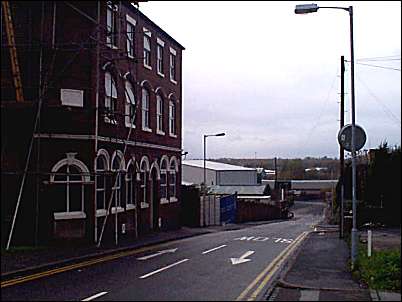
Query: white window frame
x,y
172,119
172,182
147,48
101,211
159,57
130,105
145,110
116,185
111,25
164,185
71,161
173,66
144,169
130,185
130,36
159,114
110,98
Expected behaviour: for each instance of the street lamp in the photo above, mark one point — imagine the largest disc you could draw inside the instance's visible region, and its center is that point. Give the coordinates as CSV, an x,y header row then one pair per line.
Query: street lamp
x,y
205,151
311,8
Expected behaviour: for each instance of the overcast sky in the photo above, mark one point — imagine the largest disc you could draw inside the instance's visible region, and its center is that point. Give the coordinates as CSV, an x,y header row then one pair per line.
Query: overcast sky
x,y
270,79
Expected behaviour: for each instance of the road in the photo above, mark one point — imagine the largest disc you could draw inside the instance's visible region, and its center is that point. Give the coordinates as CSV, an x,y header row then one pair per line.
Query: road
x,y
221,266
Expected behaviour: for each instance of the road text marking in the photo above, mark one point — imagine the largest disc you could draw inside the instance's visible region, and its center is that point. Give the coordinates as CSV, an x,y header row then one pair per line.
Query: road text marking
x,y
163,268
214,249
95,296
262,239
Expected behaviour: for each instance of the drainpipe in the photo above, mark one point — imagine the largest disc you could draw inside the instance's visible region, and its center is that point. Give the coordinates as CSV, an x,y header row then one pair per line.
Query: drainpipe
x,y
96,117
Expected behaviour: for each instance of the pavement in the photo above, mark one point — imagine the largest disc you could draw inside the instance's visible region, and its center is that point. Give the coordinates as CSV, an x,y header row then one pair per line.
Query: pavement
x,y
317,271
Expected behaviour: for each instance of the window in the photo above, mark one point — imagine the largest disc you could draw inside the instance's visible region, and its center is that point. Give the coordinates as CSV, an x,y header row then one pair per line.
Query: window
x,y
116,179
163,181
111,25
145,109
130,39
130,186
172,118
130,105
159,114
172,181
144,168
101,168
172,65
160,59
110,98
69,175
147,51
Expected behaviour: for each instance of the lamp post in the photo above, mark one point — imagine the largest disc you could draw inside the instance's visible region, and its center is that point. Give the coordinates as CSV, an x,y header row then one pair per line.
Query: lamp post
x,y
311,8
205,151
205,181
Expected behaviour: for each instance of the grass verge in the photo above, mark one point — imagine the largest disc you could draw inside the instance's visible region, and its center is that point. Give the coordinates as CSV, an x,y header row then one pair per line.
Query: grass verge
x,y
381,271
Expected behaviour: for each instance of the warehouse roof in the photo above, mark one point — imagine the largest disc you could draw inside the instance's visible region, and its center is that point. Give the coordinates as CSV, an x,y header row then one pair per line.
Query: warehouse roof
x,y
211,165
260,190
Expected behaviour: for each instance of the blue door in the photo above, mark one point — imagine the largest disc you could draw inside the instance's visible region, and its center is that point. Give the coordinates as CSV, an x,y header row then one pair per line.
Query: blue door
x,y
228,209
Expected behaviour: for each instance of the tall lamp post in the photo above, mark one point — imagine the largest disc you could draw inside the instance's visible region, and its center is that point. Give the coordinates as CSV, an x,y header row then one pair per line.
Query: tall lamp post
x,y
311,8
205,151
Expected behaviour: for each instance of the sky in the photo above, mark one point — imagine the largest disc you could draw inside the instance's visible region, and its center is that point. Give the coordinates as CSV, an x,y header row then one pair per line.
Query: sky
x,y
270,79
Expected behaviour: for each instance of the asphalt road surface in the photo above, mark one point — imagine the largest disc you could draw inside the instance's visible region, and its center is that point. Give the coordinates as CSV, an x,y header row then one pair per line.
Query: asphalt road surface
x,y
216,266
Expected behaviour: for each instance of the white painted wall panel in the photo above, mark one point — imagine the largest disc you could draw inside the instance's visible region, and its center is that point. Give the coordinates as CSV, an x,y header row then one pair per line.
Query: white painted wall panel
x,y
196,175
237,178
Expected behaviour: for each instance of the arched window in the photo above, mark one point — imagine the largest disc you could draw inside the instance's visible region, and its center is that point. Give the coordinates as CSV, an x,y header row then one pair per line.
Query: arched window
x,y
110,98
71,174
163,181
172,118
117,168
159,114
145,109
130,105
101,168
173,168
130,185
144,168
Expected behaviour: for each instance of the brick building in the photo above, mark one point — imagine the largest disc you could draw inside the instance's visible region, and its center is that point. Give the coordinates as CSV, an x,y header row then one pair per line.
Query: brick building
x,y
102,89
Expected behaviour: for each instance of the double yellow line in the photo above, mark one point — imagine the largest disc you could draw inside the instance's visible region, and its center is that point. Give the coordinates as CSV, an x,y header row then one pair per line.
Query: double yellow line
x,y
270,270
78,265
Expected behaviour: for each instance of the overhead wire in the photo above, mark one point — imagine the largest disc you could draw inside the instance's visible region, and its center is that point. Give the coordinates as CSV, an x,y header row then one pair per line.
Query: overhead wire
x,y
384,67
383,106
322,110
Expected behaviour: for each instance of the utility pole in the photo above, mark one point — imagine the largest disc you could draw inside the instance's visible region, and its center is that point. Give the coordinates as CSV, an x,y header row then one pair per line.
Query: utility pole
x,y
341,150
276,172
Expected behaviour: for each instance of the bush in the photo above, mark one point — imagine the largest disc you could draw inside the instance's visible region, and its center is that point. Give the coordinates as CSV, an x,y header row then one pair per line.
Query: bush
x,y
382,270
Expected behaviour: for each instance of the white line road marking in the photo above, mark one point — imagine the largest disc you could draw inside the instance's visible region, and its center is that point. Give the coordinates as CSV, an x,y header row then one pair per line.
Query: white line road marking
x,y
162,269
157,254
95,296
214,249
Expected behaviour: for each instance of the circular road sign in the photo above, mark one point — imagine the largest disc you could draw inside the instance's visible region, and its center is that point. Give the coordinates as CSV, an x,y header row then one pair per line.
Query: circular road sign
x,y
345,137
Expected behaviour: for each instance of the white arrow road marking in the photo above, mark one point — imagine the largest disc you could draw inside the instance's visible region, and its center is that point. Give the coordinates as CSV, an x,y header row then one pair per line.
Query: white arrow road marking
x,y
162,269
214,249
95,296
242,258
157,254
